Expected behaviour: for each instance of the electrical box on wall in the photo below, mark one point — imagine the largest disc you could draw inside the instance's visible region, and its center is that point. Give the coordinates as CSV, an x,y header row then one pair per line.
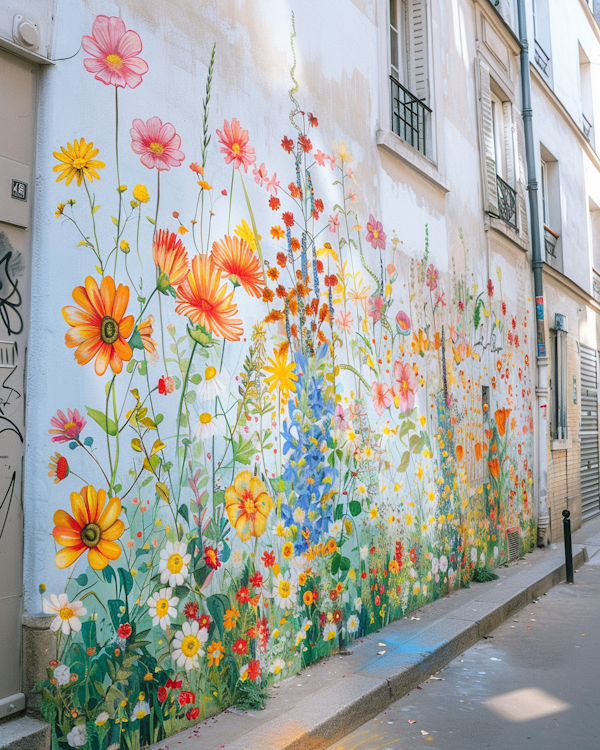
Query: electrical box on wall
x,y
15,192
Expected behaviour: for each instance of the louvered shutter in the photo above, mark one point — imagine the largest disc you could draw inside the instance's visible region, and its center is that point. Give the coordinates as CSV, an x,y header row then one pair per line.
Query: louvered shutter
x,y
486,126
521,175
418,58
509,142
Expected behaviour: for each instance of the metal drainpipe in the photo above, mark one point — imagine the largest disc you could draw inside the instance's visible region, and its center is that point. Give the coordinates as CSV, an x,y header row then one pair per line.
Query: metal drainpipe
x,y
541,390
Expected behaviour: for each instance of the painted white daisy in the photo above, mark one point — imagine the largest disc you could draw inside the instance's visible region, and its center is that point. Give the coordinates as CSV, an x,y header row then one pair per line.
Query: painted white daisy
x,y
276,666
443,563
141,709
163,607
102,718
329,631
187,645
416,587
284,591
77,737
212,384
435,565
62,674
335,529
353,624
358,604
299,515
208,425
67,613
174,561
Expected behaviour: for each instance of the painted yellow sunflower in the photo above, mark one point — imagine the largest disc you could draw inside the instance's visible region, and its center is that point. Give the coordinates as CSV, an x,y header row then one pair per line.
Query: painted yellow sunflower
x,y
77,161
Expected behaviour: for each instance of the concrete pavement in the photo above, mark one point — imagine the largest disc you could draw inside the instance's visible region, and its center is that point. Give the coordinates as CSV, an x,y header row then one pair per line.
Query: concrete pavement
x,y
532,684
332,698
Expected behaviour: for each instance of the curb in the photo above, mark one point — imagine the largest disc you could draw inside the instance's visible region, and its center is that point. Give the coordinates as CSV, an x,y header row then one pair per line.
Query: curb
x,y
331,713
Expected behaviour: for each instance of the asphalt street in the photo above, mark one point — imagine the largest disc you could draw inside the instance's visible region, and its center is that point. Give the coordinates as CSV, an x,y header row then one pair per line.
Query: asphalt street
x,y
533,684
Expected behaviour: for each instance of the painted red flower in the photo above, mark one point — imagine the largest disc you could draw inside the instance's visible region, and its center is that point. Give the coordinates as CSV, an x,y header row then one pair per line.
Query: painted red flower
x,y
257,580
191,611
125,630
162,694
211,558
305,142
274,203
268,559
234,145
156,144
314,123
114,53
262,631
288,218
254,669
174,684
240,646
243,595
166,385
185,697
192,714
287,144
204,621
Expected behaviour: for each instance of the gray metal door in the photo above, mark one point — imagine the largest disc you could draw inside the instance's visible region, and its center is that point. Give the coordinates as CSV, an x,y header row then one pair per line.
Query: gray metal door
x,y
18,79
588,433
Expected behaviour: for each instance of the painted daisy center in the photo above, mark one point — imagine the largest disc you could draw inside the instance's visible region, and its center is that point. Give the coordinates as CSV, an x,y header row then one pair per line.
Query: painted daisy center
x,y
205,418
236,148
162,607
140,714
175,563
66,613
190,645
69,426
114,60
210,373
109,330
250,505
79,163
90,534
284,589
156,148
375,233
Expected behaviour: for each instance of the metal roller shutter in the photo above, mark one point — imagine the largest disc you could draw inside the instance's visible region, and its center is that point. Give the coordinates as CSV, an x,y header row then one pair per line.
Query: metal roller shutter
x,y
588,433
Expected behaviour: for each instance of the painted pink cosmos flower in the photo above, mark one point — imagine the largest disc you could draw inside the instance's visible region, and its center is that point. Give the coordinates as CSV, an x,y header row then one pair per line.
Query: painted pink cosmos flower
x,y
403,323
405,386
157,144
234,145
375,234
340,418
66,428
375,307
382,397
260,174
334,222
114,53
432,275
344,320
273,184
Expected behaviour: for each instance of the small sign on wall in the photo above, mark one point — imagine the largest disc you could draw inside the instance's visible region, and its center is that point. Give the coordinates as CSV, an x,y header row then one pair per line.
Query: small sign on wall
x,y
19,190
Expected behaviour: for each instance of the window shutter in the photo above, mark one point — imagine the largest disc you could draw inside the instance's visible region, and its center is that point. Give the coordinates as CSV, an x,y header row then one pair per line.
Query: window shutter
x,y
509,142
561,385
521,175
418,58
486,126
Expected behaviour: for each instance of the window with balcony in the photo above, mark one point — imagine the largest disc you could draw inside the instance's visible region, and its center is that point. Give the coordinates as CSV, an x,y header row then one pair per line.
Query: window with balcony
x,y
409,73
550,208
503,151
594,237
541,34
585,87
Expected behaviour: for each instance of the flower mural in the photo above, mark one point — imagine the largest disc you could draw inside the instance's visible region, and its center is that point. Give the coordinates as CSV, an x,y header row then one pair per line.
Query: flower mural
x,y
290,438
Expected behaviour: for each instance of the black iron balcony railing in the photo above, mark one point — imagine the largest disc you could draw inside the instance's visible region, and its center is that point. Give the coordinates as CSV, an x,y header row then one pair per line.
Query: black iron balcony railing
x,y
410,117
541,58
586,127
507,202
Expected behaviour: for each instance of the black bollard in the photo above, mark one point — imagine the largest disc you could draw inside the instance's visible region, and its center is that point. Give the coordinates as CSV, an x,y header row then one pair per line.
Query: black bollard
x,y
568,545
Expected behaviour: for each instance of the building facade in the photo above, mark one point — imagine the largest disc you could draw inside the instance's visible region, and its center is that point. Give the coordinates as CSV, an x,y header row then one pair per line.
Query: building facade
x,y
270,267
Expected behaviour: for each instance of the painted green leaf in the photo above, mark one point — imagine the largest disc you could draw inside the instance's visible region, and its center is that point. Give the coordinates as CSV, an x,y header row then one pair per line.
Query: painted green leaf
x,y
100,418
82,580
345,563
415,444
126,580
335,563
404,461
355,507
114,607
216,605
339,512
108,574
135,340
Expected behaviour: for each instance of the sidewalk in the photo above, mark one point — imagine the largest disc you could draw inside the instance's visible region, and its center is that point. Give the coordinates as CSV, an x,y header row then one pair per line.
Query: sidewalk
x,y
330,699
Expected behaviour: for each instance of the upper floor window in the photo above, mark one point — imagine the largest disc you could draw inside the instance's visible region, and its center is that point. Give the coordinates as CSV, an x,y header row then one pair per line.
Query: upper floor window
x,y
587,104
409,73
541,34
550,208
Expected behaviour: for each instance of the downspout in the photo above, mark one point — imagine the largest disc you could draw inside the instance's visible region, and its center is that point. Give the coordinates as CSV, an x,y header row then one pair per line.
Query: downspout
x,y
541,390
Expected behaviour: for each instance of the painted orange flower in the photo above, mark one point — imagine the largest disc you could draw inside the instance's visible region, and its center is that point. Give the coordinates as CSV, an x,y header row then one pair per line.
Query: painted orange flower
x,y
170,256
146,329
206,303
494,465
99,329
478,451
236,260
459,453
501,417
248,505
91,527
